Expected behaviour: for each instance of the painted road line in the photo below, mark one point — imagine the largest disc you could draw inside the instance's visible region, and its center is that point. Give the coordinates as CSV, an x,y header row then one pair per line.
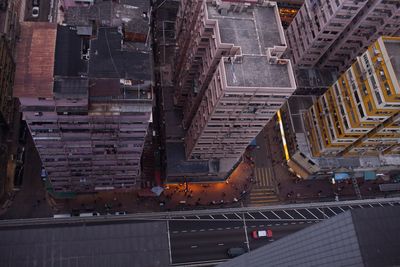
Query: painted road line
x,y
332,211
236,227
220,244
192,231
287,214
184,231
300,214
211,217
238,216
250,215
175,232
169,244
228,228
311,213
323,213
261,225
276,215
193,246
341,209
202,230
225,216
263,215
211,229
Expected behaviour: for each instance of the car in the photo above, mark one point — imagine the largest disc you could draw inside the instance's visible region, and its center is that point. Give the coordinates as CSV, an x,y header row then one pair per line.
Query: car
x,y
120,213
262,234
234,252
35,12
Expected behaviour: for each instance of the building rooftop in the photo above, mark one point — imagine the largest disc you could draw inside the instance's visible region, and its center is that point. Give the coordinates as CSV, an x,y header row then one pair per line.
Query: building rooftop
x,y
393,49
69,50
70,86
108,60
248,30
255,71
35,60
129,13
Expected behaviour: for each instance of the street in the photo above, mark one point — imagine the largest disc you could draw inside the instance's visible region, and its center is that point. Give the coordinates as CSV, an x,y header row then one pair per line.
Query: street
x,y
209,241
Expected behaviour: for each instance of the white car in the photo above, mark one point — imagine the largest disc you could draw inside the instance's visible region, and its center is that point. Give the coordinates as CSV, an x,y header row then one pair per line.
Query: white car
x,y
35,12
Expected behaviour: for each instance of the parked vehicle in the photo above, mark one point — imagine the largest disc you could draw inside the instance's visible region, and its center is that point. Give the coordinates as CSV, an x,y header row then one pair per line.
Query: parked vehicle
x,y
120,213
57,216
234,252
262,234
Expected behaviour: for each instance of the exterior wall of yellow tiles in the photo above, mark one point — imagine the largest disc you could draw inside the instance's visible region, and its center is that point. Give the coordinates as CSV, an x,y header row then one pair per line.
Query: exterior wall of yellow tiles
x,y
359,113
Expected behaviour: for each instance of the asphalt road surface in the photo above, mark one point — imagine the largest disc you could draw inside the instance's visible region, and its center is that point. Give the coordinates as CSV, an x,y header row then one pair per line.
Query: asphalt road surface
x,y
209,241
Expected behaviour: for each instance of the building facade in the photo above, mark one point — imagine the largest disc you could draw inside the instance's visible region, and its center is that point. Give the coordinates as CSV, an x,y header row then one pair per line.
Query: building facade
x,y
229,75
331,33
87,100
360,112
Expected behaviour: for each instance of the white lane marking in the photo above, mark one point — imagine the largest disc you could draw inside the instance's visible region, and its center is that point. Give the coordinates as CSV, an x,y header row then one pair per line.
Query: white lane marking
x,y
250,215
371,205
261,225
341,209
201,230
351,207
175,232
309,222
292,223
192,231
193,246
253,226
169,244
228,228
311,213
225,216
285,224
276,215
220,244
211,217
198,217
219,228
288,214
301,222
332,211
391,204
277,224
211,229
184,231
263,215
236,227
269,224
380,204
300,214
238,216
323,213
184,217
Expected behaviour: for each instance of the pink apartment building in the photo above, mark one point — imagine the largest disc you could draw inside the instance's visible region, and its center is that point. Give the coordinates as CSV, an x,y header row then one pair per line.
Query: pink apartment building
x,y
87,103
332,33
229,75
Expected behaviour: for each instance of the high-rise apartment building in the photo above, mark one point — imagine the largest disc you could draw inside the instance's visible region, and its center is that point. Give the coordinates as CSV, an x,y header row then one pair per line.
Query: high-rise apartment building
x,y
331,33
86,94
360,112
230,79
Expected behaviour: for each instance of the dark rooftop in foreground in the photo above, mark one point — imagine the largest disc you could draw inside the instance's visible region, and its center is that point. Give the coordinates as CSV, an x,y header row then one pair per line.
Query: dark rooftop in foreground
x,y
358,237
117,244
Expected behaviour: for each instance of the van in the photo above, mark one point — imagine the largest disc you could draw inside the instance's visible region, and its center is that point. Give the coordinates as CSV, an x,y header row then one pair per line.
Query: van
x,y
86,214
57,216
234,252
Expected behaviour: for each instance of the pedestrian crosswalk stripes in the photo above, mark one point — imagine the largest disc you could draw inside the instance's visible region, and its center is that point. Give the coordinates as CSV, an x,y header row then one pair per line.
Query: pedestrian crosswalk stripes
x,y
260,196
264,177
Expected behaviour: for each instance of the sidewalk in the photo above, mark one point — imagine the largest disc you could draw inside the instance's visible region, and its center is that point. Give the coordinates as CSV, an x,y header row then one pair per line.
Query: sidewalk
x,y
231,192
